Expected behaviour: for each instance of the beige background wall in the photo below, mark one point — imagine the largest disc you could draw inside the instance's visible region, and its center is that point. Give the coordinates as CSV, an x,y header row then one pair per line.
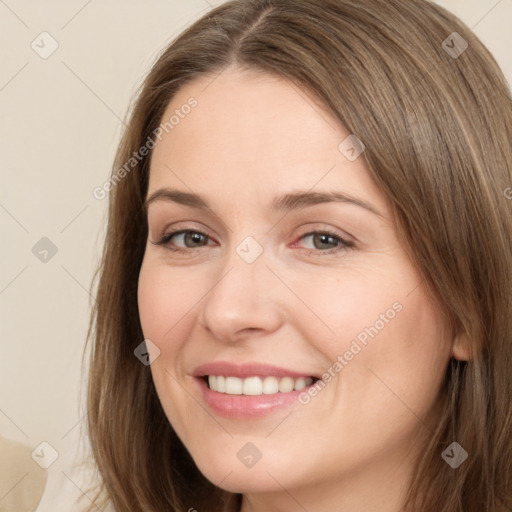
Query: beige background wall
x,y
60,121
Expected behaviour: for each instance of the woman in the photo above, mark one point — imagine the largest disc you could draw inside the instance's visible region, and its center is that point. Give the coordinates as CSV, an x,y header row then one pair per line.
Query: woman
x,y
305,293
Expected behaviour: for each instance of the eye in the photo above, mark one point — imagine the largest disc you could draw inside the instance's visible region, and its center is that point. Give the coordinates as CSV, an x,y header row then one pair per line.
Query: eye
x,y
184,239
324,241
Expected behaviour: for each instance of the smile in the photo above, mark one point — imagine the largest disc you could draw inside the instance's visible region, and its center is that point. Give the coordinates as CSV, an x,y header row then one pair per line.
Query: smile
x,y
249,390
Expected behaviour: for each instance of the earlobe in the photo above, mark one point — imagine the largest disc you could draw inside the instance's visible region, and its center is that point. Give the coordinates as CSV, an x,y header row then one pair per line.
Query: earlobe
x,y
461,348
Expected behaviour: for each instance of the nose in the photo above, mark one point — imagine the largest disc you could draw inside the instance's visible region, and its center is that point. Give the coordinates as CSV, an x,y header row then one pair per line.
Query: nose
x,y
243,301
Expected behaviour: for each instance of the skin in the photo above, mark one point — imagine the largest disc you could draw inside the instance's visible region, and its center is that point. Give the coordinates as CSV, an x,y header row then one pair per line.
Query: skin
x,y
299,305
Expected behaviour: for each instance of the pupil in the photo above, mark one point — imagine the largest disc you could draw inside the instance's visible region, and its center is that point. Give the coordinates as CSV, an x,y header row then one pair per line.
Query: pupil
x,y
195,237
324,239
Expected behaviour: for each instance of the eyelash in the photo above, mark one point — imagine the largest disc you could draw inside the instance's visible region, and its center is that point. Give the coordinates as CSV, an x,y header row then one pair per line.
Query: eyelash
x,y
165,238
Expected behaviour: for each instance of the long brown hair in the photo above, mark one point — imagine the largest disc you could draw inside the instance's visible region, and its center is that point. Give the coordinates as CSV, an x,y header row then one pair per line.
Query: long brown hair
x,y
435,114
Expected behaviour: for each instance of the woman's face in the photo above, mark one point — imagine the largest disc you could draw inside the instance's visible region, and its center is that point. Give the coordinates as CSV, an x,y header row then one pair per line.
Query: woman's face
x,y
285,267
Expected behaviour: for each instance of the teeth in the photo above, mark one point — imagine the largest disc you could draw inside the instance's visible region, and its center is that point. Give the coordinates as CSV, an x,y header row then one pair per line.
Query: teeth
x,y
221,384
270,385
255,386
234,386
286,385
252,386
300,383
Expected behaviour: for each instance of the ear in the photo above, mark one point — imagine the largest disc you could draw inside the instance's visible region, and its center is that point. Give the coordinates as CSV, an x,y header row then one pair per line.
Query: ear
x,y
461,348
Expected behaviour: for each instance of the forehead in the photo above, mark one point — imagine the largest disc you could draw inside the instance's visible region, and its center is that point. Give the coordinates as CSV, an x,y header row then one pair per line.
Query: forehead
x,y
250,131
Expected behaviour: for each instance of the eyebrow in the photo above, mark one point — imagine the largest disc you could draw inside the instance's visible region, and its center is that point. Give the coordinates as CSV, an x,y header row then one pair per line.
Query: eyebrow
x,y
286,202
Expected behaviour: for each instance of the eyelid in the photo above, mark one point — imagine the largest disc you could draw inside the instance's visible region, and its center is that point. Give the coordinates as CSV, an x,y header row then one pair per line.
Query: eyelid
x,y
184,226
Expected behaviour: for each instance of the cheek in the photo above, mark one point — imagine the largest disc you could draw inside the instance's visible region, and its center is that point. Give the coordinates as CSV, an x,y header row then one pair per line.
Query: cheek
x,y
166,302
394,343
402,366
418,340
166,299
345,308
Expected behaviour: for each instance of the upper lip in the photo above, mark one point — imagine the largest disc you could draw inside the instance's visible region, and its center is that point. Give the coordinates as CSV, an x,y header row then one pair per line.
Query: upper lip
x,y
245,370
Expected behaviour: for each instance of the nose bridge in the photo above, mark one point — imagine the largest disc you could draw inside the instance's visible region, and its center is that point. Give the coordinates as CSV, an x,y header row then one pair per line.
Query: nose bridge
x,y
246,263
241,297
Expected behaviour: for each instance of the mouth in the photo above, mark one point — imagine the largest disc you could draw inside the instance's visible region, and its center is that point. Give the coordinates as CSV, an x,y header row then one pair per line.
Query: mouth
x,y
244,391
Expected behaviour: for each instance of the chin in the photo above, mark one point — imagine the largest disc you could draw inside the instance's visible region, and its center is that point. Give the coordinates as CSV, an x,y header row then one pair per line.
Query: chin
x,y
264,476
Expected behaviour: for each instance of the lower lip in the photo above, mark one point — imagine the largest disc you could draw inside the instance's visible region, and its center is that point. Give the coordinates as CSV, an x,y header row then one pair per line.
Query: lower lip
x,y
246,406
